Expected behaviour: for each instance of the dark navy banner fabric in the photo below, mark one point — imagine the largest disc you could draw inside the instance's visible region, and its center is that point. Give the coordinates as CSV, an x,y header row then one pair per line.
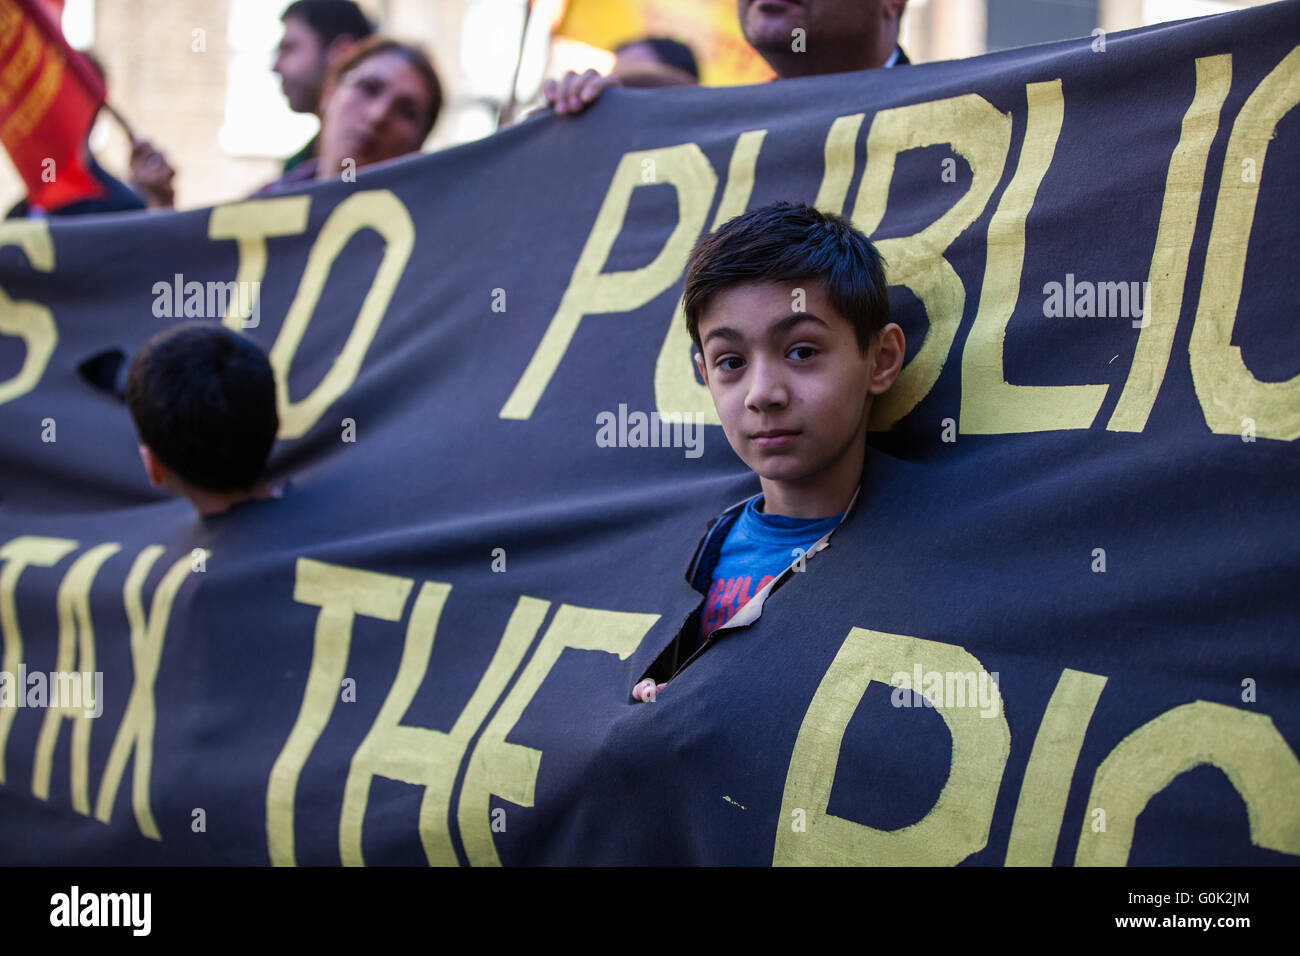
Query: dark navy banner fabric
x,y
1059,627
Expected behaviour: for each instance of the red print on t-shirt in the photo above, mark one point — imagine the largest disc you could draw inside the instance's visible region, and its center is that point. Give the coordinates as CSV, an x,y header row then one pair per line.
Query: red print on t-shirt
x,y
726,597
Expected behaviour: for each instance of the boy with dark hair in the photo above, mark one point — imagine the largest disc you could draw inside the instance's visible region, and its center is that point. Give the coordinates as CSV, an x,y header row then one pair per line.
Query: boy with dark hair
x,y
203,401
789,311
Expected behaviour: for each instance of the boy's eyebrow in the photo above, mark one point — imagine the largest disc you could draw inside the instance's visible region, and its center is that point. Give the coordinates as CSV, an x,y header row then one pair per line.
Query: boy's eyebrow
x,y
794,318
779,328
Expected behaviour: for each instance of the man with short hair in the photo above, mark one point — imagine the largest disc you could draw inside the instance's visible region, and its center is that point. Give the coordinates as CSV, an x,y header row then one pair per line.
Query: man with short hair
x,y
316,32
795,37
812,37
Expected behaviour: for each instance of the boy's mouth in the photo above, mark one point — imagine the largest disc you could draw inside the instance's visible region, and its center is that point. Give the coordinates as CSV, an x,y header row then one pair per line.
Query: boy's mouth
x,y
773,438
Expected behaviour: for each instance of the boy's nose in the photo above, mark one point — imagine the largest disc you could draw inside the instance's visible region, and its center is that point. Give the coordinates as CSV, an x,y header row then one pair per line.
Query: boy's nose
x,y
767,388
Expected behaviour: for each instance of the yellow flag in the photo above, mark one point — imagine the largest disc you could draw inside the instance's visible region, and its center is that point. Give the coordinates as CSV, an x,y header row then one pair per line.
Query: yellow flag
x,y
708,27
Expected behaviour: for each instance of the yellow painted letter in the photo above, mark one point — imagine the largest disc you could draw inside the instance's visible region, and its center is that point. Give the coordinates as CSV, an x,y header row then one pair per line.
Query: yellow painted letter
x,y
593,292
981,135
957,825
383,212
510,770
1245,746
1226,388
30,321
1041,807
135,733
420,755
341,593
989,403
250,224
76,657
17,555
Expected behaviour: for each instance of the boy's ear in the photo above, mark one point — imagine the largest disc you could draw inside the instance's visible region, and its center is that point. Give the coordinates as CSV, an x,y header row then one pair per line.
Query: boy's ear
x,y
889,349
153,466
699,365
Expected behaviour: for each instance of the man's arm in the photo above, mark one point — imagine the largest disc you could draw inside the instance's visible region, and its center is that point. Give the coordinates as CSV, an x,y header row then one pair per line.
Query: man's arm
x,y
151,176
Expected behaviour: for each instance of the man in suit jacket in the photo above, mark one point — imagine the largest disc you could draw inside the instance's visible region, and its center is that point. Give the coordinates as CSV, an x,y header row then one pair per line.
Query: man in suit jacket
x,y
811,37
795,37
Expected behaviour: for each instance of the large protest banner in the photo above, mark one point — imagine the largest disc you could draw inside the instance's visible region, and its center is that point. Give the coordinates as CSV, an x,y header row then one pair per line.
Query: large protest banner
x,y
1058,628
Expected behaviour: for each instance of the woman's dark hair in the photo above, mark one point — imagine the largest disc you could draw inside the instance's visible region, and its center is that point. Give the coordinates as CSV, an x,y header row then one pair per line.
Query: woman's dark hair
x,y
413,55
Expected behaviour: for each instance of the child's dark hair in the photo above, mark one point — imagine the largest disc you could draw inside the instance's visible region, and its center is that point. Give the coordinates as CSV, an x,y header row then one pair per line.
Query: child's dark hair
x,y
203,400
788,242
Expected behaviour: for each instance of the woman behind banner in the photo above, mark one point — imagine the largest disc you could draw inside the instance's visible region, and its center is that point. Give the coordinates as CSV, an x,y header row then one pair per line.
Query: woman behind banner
x,y
380,101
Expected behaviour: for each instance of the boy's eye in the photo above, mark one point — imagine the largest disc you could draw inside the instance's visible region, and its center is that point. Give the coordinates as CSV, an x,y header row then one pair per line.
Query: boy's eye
x,y
726,362
803,352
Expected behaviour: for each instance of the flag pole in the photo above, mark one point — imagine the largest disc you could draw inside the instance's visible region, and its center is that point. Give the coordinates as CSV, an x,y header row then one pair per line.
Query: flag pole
x,y
507,113
121,121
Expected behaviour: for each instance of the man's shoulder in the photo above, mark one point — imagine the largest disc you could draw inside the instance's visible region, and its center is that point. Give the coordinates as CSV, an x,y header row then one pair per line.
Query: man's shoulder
x,y
303,155
302,175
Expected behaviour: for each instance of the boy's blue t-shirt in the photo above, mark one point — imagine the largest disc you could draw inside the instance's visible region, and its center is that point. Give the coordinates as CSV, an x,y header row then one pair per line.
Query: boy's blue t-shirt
x,y
759,546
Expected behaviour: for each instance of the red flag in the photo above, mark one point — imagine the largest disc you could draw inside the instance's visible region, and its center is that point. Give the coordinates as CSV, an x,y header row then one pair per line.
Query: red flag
x,y
49,95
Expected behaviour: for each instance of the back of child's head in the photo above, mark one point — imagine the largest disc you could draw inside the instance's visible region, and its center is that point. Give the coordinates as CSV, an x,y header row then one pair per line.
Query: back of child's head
x,y
203,401
791,242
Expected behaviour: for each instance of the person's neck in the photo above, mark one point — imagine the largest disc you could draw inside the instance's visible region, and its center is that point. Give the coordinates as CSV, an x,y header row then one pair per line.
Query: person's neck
x,y
789,65
327,169
819,496
209,503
